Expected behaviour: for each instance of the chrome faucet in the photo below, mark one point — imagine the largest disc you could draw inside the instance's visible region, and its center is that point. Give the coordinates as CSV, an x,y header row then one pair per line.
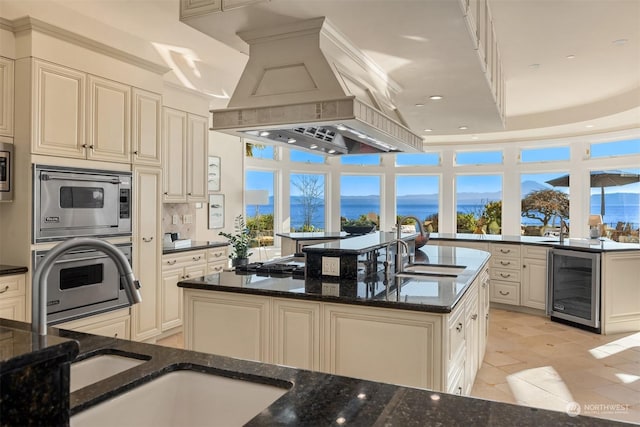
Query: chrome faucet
x,y
401,220
41,273
563,229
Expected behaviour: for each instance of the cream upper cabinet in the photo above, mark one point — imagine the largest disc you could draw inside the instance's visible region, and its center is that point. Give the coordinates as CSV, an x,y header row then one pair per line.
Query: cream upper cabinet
x,y
58,106
185,156
147,252
174,136
109,121
6,96
146,128
197,158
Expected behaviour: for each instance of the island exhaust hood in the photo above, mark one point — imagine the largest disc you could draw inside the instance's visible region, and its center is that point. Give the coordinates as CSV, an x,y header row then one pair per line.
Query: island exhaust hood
x,y
307,86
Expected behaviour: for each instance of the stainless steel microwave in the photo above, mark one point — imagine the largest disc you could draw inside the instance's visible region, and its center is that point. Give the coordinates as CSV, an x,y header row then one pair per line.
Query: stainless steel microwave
x,y
6,172
73,202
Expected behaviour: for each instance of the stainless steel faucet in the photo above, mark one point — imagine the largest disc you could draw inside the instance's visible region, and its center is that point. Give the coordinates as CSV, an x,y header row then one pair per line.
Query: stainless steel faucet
x,y
563,229
401,220
41,273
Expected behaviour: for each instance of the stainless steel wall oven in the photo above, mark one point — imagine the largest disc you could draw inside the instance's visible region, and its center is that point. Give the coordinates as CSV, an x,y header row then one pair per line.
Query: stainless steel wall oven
x,y
73,202
82,283
574,288
6,171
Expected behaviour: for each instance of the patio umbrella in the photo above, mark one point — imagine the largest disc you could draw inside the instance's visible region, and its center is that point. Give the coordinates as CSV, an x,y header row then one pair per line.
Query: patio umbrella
x,y
602,179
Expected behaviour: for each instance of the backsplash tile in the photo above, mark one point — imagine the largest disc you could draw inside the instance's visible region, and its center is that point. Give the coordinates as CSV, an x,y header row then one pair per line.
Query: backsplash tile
x,y
186,231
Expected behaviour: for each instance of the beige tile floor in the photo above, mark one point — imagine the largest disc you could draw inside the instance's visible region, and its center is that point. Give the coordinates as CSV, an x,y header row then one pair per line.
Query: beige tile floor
x,y
535,362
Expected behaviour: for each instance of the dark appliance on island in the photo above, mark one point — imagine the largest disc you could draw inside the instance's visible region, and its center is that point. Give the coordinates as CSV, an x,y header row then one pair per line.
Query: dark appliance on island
x,y
574,288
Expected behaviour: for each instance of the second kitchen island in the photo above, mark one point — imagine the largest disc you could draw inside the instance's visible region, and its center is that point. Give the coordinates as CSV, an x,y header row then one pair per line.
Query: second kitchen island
x,y
427,332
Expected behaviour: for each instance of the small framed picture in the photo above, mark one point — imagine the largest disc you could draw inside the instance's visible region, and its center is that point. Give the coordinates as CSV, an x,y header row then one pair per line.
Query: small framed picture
x,y
213,176
216,210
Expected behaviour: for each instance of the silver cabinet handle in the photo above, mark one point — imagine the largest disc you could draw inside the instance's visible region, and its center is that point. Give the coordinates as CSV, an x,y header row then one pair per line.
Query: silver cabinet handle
x,y
474,316
198,258
173,261
145,239
459,327
6,288
504,293
505,252
217,254
505,263
505,275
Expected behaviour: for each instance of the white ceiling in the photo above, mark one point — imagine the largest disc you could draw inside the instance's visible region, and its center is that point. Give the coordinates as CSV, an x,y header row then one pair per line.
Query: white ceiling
x,y
423,46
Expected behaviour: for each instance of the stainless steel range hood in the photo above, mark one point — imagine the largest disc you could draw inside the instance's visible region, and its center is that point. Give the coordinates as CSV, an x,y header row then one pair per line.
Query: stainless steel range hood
x,y
306,85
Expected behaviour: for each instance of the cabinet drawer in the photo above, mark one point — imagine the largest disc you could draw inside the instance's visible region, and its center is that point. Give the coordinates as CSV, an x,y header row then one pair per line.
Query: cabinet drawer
x,y
215,267
500,250
529,251
504,262
505,292
216,254
12,286
506,275
184,259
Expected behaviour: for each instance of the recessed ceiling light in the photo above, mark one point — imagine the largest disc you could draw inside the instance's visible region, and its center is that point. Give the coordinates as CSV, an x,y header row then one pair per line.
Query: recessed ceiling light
x,y
589,126
620,42
291,140
436,97
313,146
571,57
264,133
463,128
474,136
419,105
341,127
428,130
331,151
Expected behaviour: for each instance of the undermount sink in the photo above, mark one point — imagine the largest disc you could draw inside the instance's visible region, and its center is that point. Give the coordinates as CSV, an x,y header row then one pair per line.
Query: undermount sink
x,y
434,270
183,398
99,367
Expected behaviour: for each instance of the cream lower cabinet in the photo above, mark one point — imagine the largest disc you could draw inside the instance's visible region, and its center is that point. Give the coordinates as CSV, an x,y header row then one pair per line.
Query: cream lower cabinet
x,y
228,324
484,301
217,259
429,350
533,292
620,292
12,297
175,268
296,333
114,324
147,252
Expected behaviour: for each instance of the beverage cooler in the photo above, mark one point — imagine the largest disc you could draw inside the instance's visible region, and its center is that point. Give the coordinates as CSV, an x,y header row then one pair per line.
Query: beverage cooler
x,y
574,288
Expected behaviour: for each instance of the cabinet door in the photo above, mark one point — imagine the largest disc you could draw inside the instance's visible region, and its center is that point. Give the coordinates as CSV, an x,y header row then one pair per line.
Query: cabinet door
x,y
174,154
534,283
227,324
296,334
171,298
472,339
146,128
368,343
6,96
147,252
13,308
109,126
12,297
197,149
58,104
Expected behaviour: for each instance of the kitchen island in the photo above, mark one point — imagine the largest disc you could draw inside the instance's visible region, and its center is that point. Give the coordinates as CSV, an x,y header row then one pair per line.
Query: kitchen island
x,y
435,325
311,398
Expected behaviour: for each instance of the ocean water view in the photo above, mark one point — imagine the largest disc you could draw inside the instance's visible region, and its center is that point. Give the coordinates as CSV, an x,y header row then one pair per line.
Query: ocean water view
x,y
352,209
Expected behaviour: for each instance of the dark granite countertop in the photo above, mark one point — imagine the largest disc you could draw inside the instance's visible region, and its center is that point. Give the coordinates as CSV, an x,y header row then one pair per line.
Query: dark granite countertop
x,y
195,245
316,235
313,398
6,270
428,294
589,245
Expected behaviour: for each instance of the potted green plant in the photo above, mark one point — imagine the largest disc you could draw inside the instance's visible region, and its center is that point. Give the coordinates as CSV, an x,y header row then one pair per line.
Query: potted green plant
x,y
239,241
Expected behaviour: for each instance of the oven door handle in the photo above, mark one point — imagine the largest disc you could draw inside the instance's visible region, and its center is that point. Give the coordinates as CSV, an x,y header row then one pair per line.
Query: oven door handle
x,y
47,177
90,258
